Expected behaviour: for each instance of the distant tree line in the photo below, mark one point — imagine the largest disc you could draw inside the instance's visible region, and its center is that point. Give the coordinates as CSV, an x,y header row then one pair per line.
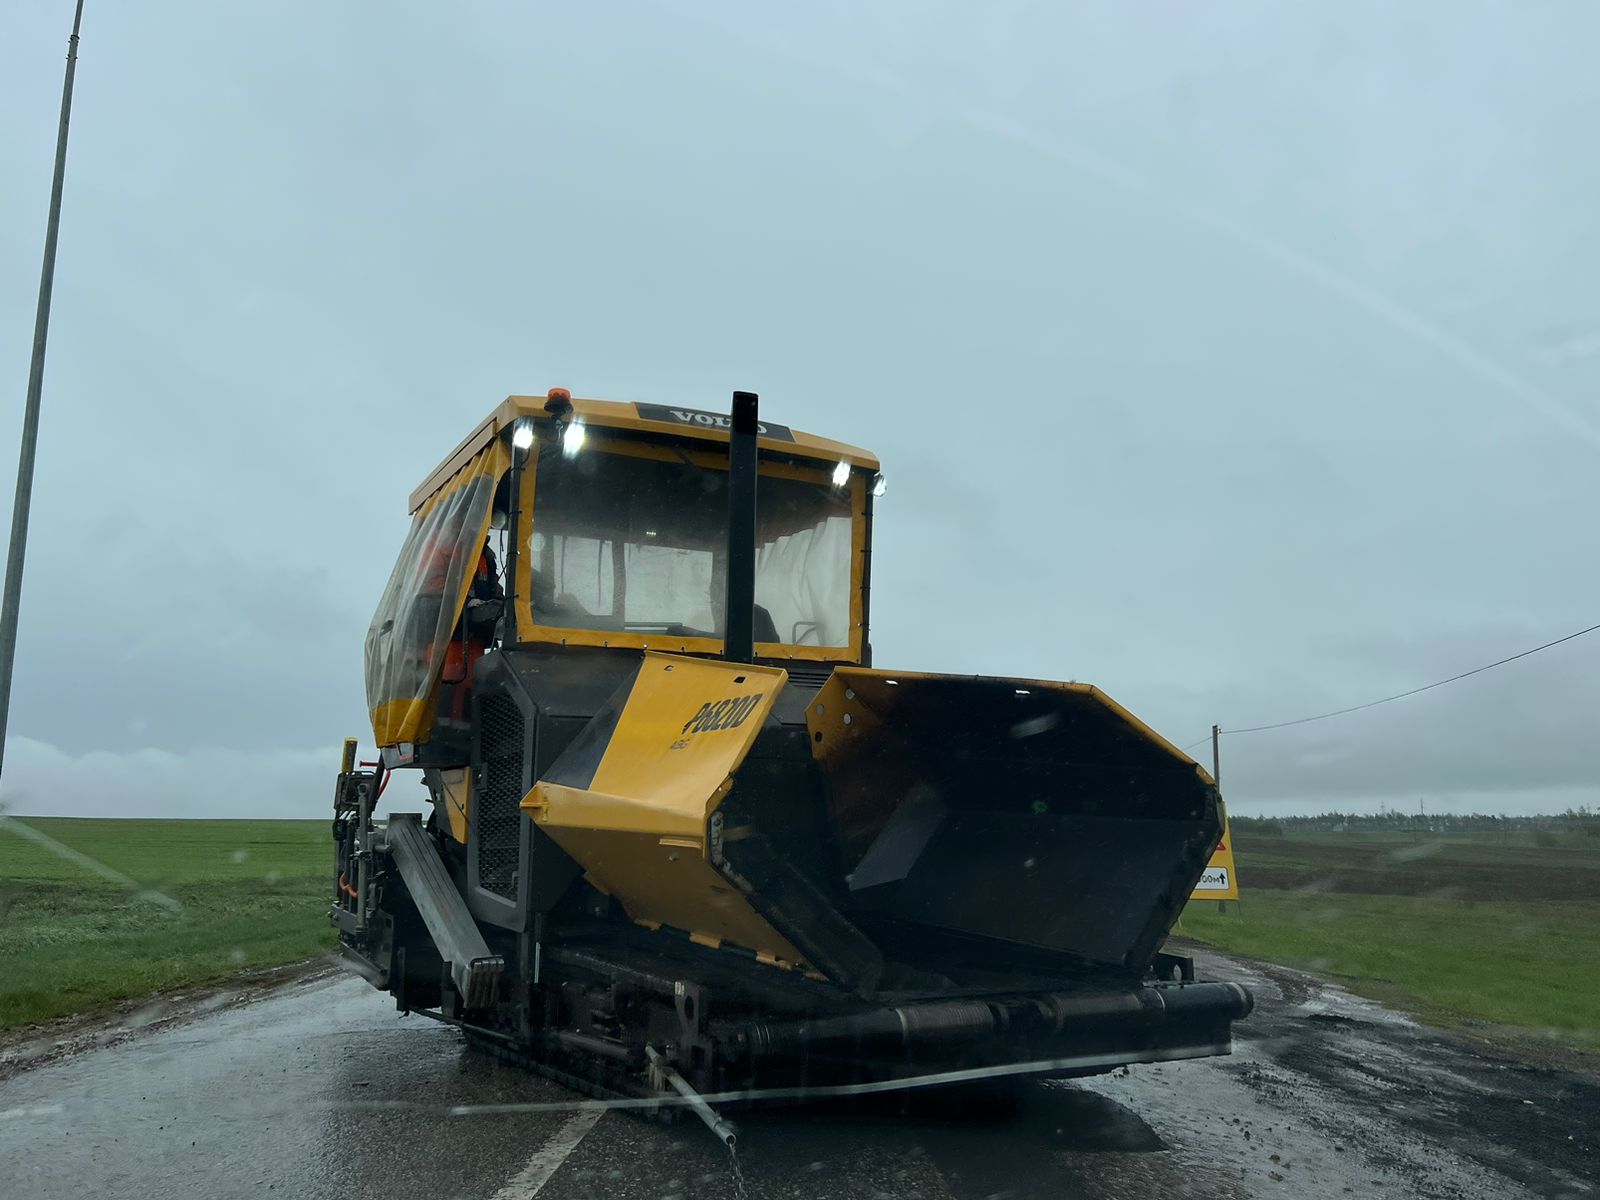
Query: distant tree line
x,y
1581,819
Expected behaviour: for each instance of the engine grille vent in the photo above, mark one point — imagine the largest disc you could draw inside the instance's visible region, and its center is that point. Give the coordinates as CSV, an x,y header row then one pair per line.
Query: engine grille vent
x,y
498,809
809,674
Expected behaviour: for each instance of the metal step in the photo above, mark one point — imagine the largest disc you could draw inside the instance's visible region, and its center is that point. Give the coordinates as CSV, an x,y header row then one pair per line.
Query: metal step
x,y
474,969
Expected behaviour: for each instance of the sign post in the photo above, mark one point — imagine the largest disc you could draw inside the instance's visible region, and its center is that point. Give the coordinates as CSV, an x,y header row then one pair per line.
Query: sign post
x,y
1220,882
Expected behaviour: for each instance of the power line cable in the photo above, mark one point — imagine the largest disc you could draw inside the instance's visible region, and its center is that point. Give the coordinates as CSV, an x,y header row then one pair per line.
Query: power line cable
x,y
1428,687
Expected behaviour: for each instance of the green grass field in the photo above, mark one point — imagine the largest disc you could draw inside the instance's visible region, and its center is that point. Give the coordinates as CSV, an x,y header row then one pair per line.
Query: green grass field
x,y
1498,934
198,901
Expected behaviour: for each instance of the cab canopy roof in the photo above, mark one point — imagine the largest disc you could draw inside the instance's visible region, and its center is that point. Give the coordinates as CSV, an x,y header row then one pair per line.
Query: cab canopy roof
x,y
644,418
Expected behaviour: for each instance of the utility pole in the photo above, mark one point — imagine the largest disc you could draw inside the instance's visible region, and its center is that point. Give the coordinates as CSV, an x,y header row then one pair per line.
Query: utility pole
x,y
30,417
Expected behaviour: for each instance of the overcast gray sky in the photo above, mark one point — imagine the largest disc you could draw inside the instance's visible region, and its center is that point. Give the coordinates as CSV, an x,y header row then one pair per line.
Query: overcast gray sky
x,y
1243,360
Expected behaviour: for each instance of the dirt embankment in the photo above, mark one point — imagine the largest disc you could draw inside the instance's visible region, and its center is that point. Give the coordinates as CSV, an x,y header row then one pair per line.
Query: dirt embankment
x,y
1421,866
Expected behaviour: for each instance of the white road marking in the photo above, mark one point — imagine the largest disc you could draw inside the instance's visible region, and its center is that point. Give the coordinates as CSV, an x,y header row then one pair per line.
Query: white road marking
x,y
527,1182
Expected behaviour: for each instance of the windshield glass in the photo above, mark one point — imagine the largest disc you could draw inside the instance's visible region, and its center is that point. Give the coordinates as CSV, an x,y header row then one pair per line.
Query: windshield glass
x,y
632,538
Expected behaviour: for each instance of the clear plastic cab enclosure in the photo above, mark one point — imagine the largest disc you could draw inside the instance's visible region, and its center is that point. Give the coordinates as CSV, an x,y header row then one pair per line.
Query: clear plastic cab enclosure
x,y
620,529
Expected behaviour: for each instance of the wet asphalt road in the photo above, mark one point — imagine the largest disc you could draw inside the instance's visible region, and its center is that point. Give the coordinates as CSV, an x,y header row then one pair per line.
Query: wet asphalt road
x,y
319,1089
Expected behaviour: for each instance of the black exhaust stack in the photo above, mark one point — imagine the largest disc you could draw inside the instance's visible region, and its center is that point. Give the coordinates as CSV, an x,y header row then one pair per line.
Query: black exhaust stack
x,y
740,632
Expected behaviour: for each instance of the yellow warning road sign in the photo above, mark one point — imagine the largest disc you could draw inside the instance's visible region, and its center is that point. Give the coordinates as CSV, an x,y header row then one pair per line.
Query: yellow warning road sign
x,y
1220,881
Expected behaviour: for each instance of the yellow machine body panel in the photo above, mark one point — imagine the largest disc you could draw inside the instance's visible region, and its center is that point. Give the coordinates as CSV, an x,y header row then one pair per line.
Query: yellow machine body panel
x,y
711,428
632,799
